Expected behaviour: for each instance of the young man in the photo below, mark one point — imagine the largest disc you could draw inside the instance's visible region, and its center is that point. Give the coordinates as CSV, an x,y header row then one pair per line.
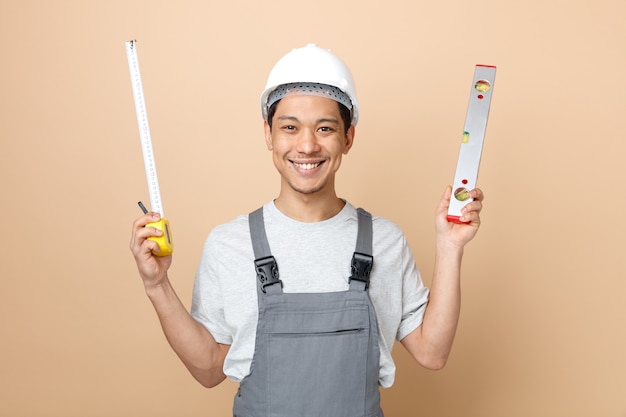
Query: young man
x,y
301,300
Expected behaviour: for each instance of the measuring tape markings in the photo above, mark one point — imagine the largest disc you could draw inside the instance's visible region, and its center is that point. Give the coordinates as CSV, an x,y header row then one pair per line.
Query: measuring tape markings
x,y
164,241
144,129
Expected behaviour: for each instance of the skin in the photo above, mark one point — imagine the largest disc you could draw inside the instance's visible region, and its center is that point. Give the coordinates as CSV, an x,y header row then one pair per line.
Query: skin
x,y
192,342
307,142
430,344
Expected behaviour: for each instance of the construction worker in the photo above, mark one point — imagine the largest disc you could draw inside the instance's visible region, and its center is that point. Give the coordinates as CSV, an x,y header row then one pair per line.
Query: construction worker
x,y
301,300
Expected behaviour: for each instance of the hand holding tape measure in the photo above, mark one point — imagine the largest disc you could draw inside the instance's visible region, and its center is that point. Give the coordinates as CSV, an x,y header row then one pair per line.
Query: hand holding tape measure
x,y
166,245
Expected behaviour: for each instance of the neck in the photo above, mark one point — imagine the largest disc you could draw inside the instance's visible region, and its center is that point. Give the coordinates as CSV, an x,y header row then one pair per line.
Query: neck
x,y
308,208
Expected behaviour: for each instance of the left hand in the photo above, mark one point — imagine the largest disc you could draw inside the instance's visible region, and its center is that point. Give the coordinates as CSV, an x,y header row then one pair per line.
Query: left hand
x,y
459,234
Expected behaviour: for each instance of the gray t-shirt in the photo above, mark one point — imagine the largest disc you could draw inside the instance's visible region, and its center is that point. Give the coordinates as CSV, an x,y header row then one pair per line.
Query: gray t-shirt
x,y
311,257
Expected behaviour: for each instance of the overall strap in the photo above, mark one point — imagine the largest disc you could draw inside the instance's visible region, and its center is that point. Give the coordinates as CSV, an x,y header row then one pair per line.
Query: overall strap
x,y
362,260
265,264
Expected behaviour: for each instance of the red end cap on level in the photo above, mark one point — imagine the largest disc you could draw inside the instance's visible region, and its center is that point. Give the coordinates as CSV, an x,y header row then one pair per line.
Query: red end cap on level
x,y
487,66
456,219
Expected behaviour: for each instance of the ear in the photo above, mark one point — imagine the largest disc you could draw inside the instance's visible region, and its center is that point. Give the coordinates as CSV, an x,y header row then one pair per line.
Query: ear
x,y
268,135
349,139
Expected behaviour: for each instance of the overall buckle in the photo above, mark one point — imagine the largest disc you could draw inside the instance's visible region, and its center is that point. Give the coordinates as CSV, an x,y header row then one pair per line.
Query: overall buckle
x,y
361,268
267,272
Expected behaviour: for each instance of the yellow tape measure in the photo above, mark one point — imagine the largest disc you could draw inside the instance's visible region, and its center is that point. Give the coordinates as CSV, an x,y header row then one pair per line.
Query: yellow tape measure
x,y
166,245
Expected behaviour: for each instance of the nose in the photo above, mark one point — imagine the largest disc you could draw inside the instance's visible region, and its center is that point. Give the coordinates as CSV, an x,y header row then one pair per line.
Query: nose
x,y
307,142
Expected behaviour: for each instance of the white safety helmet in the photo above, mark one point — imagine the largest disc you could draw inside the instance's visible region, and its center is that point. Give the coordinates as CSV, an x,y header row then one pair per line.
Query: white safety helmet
x,y
310,66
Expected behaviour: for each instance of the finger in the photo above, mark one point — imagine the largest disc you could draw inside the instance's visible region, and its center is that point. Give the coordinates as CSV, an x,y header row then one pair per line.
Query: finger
x,y
477,194
475,205
140,232
444,202
144,254
145,219
150,247
471,213
441,210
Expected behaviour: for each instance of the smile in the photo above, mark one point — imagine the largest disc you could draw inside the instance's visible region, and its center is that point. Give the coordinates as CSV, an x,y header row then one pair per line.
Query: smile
x,y
306,166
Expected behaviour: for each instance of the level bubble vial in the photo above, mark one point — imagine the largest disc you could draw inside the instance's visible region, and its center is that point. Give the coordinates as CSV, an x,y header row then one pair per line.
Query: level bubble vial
x,y
482,86
461,194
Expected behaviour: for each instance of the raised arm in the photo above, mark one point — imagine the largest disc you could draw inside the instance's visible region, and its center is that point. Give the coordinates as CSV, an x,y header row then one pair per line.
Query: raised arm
x,y
192,342
430,344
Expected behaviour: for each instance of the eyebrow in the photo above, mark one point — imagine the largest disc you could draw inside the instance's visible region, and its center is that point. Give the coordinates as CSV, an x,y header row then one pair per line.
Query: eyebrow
x,y
293,118
328,120
322,120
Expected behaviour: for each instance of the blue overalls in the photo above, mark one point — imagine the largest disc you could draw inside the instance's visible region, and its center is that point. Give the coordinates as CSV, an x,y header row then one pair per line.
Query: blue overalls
x,y
316,354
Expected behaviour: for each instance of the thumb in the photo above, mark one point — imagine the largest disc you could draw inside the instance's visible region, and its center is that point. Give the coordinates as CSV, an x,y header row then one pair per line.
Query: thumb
x,y
444,203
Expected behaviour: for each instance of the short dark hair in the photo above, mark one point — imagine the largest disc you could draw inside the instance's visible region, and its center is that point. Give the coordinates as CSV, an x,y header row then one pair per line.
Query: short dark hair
x,y
346,115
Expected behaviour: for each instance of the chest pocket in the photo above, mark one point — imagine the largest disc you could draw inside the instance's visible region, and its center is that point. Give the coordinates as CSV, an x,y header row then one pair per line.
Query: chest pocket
x,y
317,357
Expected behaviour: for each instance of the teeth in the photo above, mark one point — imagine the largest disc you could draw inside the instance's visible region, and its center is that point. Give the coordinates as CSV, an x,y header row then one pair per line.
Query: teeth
x,y
307,166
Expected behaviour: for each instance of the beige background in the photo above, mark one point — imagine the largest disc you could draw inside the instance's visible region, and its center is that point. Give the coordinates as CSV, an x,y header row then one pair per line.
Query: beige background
x,y
542,331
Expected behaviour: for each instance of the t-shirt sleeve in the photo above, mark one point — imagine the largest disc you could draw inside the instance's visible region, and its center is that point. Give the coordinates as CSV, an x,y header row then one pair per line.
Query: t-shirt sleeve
x,y
207,305
414,294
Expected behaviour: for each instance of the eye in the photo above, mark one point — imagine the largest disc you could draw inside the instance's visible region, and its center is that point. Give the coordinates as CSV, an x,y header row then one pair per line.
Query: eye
x,y
326,129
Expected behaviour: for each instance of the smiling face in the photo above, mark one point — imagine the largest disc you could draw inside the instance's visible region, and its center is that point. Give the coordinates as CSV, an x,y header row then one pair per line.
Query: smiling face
x,y
308,140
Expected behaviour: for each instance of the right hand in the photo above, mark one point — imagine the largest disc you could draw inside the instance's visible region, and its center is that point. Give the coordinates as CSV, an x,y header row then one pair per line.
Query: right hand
x,y
152,269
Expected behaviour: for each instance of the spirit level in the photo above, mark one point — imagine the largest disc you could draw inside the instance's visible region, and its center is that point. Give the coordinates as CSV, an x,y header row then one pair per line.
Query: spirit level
x,y
164,241
472,140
